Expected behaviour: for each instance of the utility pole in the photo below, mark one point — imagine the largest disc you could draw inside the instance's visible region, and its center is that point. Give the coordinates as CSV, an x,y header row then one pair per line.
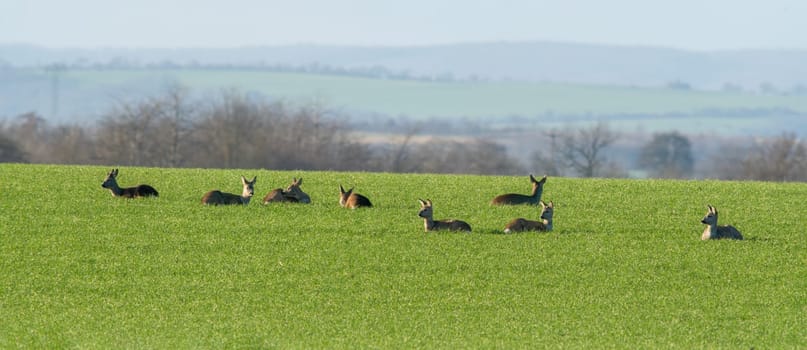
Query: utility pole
x,y
54,70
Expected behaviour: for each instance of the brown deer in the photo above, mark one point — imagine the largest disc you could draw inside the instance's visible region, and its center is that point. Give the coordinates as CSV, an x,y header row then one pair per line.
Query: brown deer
x,y
348,199
426,212
515,199
545,224
293,194
216,197
717,232
128,192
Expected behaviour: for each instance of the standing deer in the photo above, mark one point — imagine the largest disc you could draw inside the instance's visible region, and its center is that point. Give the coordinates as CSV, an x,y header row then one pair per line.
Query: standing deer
x,y
348,199
514,199
293,193
717,232
545,224
128,192
216,197
426,212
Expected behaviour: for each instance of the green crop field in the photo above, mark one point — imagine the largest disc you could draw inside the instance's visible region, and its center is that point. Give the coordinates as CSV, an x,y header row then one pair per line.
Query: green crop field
x,y
422,99
624,267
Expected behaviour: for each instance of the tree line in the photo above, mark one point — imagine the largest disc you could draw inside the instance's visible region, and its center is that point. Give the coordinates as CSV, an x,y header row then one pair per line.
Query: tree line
x,y
236,130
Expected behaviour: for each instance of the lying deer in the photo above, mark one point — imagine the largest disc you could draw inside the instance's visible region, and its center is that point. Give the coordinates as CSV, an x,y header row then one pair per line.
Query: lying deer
x,y
216,197
293,193
426,212
348,199
514,199
521,224
128,192
717,232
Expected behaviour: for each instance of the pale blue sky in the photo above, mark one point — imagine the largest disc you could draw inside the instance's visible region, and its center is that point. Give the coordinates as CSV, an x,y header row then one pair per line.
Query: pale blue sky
x,y
687,24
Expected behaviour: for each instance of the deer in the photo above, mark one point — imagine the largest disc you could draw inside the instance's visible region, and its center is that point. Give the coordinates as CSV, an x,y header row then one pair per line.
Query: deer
x,y
127,192
544,224
216,197
349,199
516,199
713,231
293,194
426,212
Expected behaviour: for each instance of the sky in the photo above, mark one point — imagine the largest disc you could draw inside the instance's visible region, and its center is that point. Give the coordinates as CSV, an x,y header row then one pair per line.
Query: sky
x,y
703,25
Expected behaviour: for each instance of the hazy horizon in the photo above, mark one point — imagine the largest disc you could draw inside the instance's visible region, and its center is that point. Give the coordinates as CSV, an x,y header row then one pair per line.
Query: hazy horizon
x,y
685,24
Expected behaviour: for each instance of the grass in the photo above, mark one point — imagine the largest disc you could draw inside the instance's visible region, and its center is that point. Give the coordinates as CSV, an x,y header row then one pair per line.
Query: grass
x,y
624,267
424,99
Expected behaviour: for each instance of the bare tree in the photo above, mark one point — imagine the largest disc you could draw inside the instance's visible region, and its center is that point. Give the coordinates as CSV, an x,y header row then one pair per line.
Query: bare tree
x,y
126,135
176,117
667,155
783,158
477,156
228,133
582,150
9,151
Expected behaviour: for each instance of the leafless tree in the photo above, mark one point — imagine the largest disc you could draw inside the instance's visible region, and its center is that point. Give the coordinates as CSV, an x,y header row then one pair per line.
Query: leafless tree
x,y
9,150
783,158
176,117
667,155
582,150
228,133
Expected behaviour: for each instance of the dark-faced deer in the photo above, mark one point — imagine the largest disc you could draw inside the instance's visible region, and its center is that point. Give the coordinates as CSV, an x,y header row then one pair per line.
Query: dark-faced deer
x,y
216,197
348,199
128,192
293,194
713,231
515,199
427,212
545,224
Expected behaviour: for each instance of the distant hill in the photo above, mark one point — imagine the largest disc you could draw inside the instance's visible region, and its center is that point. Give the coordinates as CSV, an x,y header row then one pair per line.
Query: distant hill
x,y
777,70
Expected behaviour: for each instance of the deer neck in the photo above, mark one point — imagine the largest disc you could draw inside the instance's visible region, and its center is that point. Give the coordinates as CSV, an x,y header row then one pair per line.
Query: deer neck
x,y
245,199
547,224
710,231
115,189
536,194
428,223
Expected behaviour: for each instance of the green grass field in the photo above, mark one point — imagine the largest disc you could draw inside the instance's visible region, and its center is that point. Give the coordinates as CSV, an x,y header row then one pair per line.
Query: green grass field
x,y
483,101
624,267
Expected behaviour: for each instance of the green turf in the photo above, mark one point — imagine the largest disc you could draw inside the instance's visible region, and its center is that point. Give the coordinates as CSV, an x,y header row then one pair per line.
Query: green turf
x,y
424,99
624,268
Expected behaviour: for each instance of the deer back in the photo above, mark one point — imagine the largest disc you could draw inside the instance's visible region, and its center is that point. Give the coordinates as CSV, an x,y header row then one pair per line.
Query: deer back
x,y
452,225
521,224
274,196
728,232
111,183
349,199
516,199
217,197
427,212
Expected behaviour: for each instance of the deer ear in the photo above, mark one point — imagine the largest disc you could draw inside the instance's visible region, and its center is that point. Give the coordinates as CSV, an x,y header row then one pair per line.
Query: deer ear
x,y
254,178
299,182
532,178
551,205
422,203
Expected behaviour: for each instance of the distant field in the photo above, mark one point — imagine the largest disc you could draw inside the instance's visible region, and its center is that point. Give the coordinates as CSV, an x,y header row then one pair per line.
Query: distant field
x,y
624,267
486,102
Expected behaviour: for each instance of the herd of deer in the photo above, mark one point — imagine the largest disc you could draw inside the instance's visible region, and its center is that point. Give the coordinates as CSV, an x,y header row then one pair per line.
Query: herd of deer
x,y
352,200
